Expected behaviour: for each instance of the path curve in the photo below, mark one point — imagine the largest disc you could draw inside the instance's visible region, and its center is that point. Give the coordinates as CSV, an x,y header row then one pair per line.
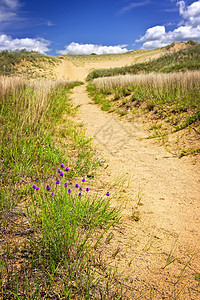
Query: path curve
x,y
169,186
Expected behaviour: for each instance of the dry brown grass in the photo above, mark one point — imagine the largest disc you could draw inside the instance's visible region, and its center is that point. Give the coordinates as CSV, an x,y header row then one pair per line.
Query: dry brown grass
x,y
176,80
34,97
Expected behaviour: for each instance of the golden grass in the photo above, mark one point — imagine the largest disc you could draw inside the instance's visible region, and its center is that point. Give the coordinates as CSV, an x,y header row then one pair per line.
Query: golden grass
x,y
34,97
177,80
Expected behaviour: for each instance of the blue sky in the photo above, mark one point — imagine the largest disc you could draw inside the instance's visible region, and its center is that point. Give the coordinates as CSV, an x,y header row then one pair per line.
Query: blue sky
x,y
106,26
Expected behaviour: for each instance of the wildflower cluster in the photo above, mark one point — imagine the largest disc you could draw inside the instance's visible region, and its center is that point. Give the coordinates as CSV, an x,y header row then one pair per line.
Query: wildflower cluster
x,y
35,187
66,185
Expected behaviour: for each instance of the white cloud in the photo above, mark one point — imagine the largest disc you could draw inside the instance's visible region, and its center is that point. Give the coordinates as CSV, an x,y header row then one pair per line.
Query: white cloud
x,y
133,5
6,15
188,28
11,14
8,43
13,4
8,9
49,23
76,48
170,24
191,13
152,34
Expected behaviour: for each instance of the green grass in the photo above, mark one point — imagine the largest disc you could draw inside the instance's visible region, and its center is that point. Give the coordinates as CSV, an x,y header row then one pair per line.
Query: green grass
x,y
27,126
50,243
165,95
170,98
182,60
61,248
67,244
99,97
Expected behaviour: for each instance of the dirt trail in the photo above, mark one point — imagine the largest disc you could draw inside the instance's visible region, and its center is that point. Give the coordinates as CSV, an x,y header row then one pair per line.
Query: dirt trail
x,y
68,71
169,187
154,252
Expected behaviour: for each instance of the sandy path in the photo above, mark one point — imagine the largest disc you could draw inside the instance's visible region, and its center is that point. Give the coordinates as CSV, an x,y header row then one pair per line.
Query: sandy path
x,y
168,230
170,186
170,190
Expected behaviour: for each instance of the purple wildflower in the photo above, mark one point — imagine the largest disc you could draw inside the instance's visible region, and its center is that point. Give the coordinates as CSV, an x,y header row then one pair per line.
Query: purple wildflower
x,y
48,188
69,191
87,189
80,189
107,194
52,194
61,174
59,171
34,186
62,165
37,188
80,195
65,185
57,182
76,185
67,169
83,180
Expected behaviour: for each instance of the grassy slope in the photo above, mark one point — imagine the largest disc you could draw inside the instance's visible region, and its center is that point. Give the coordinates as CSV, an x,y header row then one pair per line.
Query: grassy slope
x,y
46,240
168,103
182,60
168,108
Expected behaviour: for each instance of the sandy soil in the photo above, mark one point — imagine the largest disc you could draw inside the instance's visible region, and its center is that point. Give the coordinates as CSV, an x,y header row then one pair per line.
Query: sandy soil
x,y
178,46
77,68
158,256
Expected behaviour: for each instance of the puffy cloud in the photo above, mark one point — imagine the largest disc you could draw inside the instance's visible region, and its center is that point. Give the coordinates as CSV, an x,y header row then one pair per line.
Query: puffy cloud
x,y
188,28
181,6
153,34
191,13
154,44
76,48
8,43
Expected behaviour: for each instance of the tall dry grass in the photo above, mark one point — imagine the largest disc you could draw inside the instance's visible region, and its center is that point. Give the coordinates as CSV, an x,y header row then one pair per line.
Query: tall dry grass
x,y
183,81
29,112
30,99
179,89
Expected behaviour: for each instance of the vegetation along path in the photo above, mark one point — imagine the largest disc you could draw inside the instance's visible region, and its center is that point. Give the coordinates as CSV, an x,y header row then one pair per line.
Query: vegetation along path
x,y
163,192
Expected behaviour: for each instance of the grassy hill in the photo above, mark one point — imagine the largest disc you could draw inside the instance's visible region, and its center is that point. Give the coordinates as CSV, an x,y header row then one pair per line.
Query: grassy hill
x,y
182,60
29,63
158,92
167,59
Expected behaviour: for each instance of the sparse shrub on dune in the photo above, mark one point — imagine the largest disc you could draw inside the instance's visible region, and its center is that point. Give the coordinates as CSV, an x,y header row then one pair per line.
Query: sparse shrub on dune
x,y
182,60
25,63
